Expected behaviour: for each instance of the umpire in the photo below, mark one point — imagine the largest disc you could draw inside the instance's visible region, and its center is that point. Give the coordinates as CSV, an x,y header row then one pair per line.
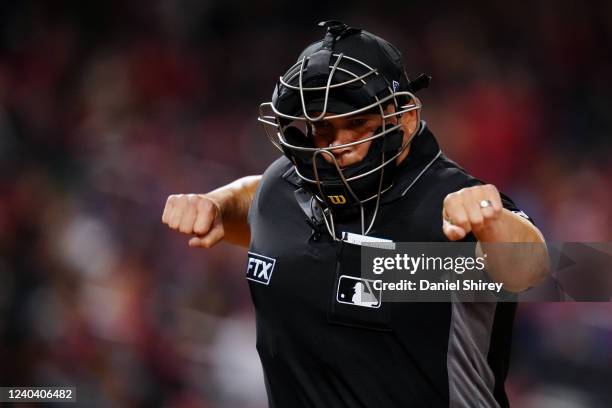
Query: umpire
x,y
359,164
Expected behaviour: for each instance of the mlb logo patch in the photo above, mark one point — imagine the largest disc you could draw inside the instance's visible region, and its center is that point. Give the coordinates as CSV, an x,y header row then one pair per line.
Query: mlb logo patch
x,y
521,213
260,268
358,292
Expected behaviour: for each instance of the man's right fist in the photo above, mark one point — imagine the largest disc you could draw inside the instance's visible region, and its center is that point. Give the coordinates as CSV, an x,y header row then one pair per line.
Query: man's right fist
x,y
195,214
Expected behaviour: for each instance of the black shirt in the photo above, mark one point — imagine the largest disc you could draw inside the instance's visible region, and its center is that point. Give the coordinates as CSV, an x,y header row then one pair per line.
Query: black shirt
x,y
317,352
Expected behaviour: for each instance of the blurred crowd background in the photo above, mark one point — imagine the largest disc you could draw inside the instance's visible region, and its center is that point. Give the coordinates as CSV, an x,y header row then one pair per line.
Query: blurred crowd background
x,y
107,107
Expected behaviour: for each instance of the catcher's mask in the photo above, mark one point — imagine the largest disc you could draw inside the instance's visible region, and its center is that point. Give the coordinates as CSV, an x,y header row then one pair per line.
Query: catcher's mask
x,y
349,72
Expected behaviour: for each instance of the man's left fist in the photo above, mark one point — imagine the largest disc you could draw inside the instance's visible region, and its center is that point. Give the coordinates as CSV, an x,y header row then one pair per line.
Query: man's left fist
x,y
472,209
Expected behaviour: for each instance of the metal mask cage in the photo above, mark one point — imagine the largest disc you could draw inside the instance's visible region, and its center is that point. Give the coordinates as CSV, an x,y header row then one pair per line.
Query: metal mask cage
x,y
275,122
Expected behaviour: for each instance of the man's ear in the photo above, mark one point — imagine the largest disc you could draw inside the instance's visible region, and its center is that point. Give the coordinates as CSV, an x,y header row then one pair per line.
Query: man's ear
x,y
410,119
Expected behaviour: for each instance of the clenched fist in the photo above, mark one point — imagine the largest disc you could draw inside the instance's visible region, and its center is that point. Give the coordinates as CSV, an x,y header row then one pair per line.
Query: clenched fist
x,y
195,214
473,209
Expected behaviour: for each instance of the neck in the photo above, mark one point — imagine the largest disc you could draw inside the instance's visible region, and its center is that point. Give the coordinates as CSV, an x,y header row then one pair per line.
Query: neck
x,y
407,140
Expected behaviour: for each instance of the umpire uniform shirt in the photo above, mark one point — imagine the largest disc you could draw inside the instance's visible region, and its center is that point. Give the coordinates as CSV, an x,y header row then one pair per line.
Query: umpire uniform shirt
x,y
318,352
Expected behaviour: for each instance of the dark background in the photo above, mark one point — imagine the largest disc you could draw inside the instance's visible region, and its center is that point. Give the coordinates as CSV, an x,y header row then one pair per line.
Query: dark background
x,y
106,107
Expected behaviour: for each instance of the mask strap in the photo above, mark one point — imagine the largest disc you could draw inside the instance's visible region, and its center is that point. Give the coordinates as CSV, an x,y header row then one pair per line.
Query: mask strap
x,y
336,30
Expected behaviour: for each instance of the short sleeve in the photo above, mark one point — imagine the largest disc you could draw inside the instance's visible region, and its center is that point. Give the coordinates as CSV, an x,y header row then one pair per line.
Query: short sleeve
x,y
511,206
507,202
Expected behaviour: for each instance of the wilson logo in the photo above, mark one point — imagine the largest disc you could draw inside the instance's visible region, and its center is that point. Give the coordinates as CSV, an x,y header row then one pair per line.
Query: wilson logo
x,y
337,199
260,268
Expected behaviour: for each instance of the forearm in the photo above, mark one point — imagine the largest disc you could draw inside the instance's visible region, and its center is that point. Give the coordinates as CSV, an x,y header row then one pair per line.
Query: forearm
x,y
234,201
522,263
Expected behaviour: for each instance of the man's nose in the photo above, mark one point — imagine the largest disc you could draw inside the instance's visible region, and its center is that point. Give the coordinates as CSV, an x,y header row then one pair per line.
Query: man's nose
x,y
340,137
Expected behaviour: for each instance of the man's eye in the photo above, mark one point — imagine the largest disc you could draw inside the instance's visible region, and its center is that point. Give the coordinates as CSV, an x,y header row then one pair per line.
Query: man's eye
x,y
358,122
321,127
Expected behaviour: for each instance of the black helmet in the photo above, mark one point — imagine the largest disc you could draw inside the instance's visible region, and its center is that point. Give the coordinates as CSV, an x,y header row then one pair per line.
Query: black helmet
x,y
349,72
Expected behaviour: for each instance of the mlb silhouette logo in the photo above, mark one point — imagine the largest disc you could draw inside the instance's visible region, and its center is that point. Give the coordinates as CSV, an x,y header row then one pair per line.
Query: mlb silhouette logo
x,y
358,292
260,268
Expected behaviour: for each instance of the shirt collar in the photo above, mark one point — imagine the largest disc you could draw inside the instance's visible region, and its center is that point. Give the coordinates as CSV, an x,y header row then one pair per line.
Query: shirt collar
x,y
424,151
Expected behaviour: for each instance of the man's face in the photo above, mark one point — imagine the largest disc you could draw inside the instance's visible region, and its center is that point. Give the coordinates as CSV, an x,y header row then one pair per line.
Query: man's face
x,y
339,131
